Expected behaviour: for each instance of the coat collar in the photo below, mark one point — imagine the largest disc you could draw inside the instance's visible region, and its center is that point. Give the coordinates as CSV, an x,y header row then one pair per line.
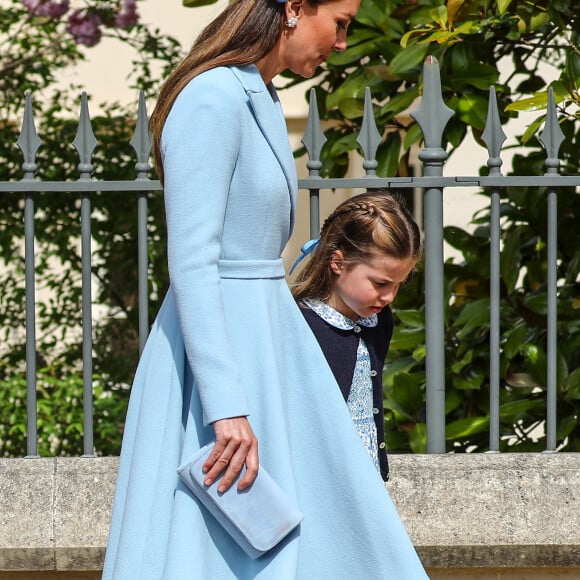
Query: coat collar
x,y
270,120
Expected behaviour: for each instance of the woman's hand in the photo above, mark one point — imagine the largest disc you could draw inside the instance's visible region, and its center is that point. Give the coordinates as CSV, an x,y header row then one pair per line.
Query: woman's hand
x,y
235,446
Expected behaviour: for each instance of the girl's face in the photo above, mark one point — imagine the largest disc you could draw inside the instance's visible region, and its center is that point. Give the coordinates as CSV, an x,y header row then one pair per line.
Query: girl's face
x,y
319,31
363,289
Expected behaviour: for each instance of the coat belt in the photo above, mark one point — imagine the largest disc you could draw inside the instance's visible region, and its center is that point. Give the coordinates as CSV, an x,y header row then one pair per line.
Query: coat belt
x,y
251,269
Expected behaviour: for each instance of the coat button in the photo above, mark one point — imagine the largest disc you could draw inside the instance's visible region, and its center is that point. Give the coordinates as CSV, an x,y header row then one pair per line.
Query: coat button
x,y
373,373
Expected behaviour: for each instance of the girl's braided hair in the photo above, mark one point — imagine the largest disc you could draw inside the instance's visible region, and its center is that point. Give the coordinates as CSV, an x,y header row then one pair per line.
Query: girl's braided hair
x,y
365,226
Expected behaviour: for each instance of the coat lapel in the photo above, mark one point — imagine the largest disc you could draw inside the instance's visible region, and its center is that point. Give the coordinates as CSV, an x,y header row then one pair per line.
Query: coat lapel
x,y
270,118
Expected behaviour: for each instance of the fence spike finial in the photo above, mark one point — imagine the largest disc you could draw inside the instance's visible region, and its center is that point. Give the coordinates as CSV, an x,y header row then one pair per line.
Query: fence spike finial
x,y
432,114
552,135
369,137
28,141
314,137
85,141
493,135
141,141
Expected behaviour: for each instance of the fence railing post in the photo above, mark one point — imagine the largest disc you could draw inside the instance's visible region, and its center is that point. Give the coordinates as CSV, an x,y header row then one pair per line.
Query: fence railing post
x,y
493,136
432,116
551,138
29,142
313,140
85,143
141,143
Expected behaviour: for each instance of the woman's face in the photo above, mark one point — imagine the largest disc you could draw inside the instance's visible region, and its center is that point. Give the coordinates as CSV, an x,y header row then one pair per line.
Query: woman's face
x,y
320,30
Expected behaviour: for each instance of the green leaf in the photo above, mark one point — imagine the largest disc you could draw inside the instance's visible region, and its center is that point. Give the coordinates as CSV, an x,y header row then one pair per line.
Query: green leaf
x,y
537,303
466,427
566,426
418,438
453,7
532,129
352,54
467,70
472,109
471,382
351,108
372,14
353,88
388,155
457,237
540,99
396,366
515,337
510,260
453,400
414,135
413,318
538,102
407,391
399,103
465,360
473,315
573,68
409,59
572,385
514,410
439,15
502,5
414,35
407,339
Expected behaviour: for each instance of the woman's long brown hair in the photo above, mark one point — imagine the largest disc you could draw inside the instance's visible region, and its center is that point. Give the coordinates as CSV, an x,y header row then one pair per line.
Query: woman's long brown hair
x,y
242,34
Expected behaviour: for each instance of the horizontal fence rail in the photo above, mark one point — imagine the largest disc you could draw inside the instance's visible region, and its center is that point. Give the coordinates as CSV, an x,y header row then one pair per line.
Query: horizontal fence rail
x,y
432,116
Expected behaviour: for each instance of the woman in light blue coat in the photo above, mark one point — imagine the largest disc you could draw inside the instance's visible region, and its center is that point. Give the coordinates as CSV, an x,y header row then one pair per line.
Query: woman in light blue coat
x,y
230,357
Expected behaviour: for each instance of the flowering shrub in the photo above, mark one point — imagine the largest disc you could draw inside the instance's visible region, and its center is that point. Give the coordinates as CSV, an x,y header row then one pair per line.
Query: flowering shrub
x,y
86,24
47,7
85,27
39,39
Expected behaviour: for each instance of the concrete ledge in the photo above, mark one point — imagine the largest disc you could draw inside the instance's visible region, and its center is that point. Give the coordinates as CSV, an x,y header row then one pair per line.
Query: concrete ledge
x,y
462,511
490,510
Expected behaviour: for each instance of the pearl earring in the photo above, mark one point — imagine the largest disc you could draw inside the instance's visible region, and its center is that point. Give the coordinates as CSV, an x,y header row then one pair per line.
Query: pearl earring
x,y
292,22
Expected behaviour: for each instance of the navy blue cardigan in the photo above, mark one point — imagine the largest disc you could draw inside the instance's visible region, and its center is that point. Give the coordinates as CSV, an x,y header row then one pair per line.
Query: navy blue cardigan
x,y
340,348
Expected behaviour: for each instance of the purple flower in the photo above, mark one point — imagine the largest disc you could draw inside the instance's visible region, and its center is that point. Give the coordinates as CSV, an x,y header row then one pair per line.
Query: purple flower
x,y
46,7
128,15
85,27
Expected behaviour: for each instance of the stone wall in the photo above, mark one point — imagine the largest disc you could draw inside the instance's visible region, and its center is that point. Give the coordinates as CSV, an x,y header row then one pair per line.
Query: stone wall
x,y
468,515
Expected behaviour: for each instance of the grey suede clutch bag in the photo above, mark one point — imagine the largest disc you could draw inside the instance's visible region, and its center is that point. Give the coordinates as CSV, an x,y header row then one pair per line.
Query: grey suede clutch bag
x,y
258,518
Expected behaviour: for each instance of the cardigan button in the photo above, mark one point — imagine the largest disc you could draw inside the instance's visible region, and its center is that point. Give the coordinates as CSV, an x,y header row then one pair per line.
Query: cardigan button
x,y
382,446
375,411
373,373
356,329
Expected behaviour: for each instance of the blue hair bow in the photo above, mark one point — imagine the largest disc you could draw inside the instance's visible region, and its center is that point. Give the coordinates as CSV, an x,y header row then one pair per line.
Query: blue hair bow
x,y
306,249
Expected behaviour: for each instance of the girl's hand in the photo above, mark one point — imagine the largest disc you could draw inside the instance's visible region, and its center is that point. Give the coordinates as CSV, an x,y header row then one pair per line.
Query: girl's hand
x,y
235,446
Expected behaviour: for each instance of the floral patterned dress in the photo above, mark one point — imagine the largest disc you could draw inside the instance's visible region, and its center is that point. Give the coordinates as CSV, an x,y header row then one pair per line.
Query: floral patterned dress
x,y
360,399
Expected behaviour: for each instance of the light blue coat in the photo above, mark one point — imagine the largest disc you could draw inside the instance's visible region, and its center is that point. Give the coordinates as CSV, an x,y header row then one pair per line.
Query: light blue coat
x,y
229,340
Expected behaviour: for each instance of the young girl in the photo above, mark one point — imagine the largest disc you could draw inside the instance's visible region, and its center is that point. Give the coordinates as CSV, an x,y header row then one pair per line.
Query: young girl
x,y
367,248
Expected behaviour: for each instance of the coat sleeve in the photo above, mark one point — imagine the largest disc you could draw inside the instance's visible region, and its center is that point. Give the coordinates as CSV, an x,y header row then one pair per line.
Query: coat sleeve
x,y
200,149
